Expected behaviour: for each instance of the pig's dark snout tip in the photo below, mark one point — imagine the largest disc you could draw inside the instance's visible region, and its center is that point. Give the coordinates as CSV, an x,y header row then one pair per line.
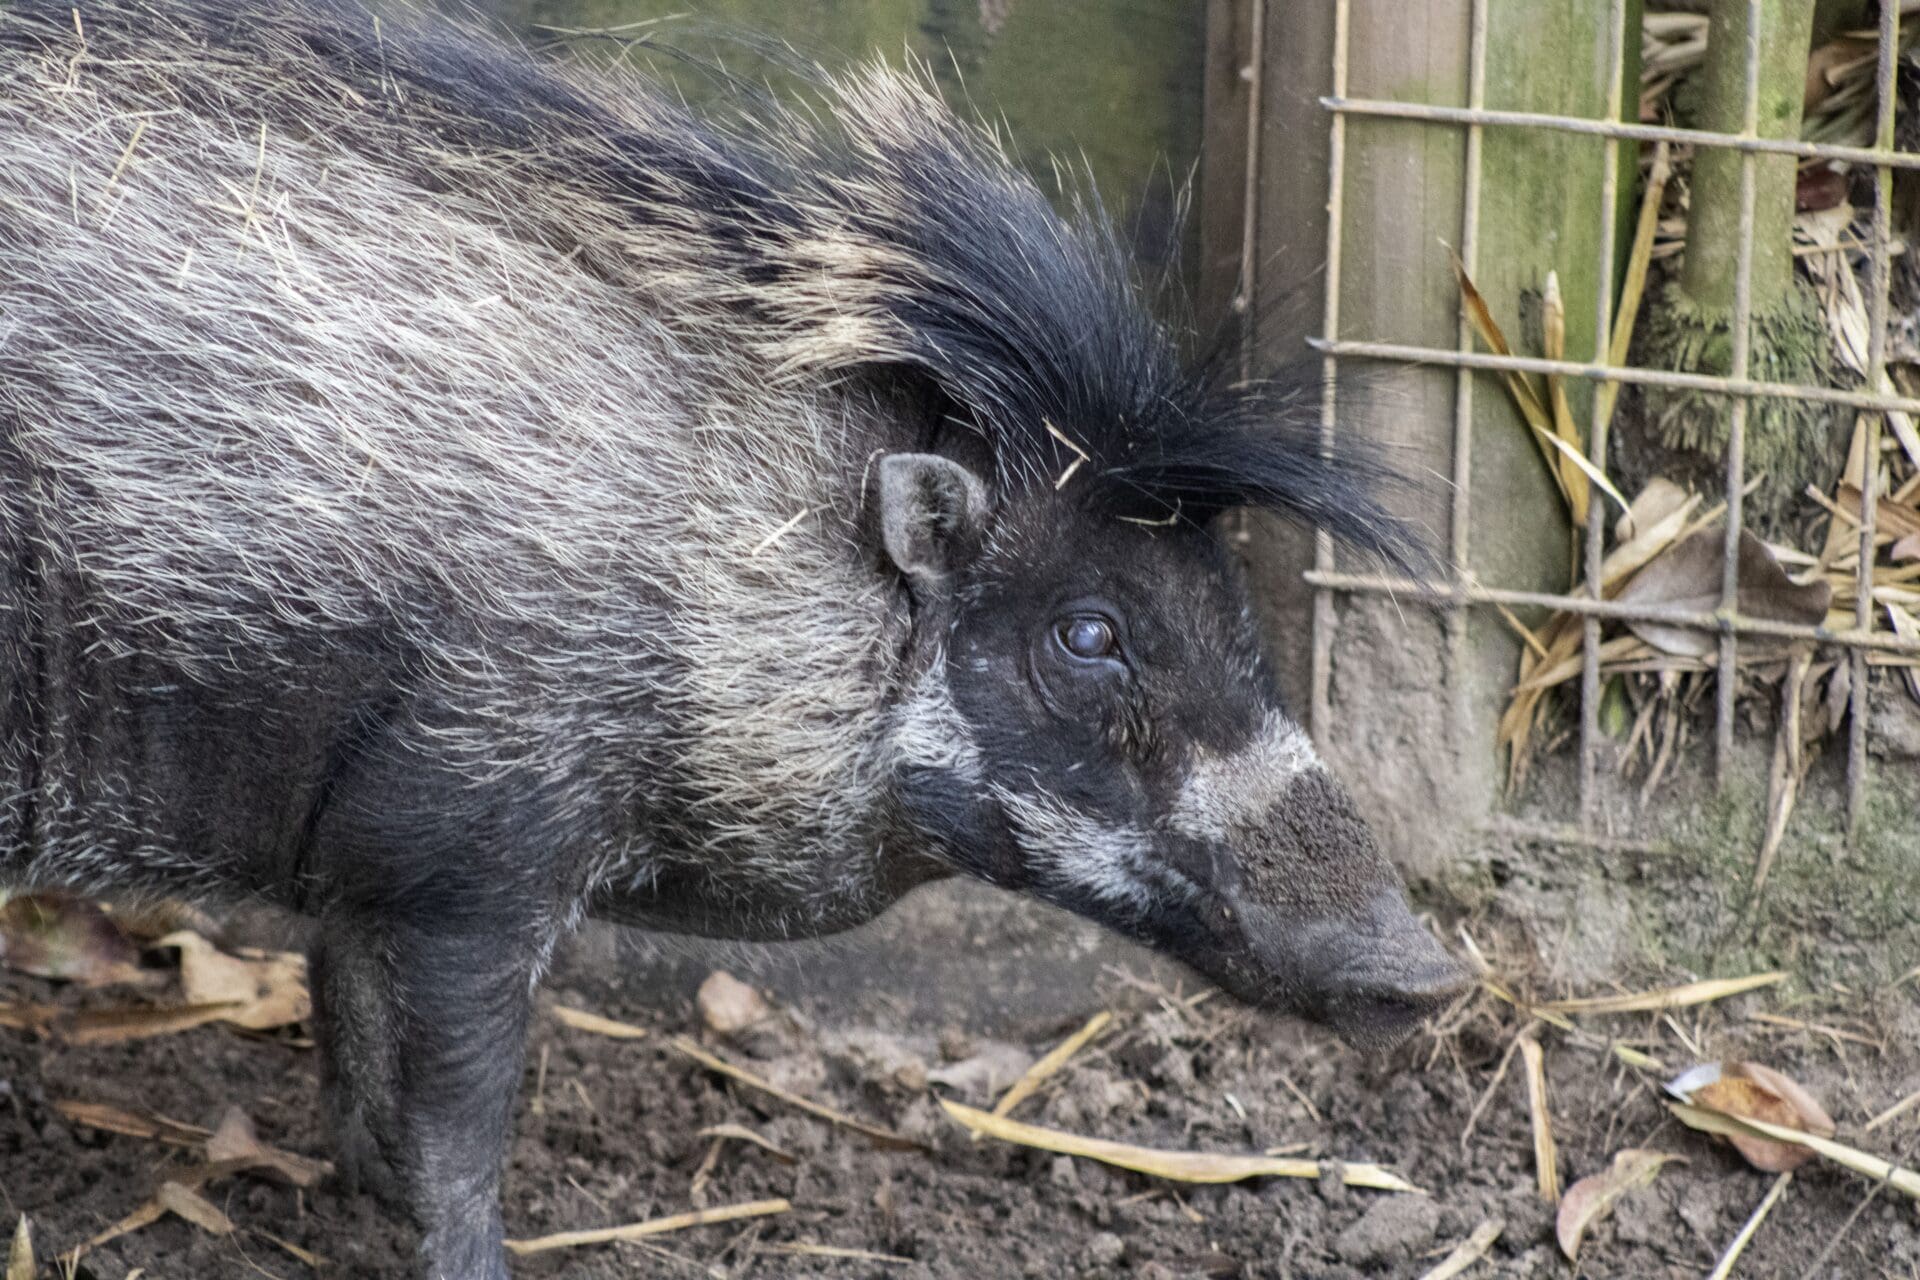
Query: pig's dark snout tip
x,y
1377,1008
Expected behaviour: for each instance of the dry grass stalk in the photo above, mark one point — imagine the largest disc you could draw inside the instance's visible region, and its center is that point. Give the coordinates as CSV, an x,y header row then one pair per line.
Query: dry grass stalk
x,y
581,1020
805,1250
1180,1166
1893,1112
1467,1252
651,1227
1724,1268
1546,1159
1861,1162
1037,1074
885,1137
1665,998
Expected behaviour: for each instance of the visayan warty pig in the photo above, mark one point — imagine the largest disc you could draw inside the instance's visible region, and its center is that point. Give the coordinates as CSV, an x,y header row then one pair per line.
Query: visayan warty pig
x,y
449,494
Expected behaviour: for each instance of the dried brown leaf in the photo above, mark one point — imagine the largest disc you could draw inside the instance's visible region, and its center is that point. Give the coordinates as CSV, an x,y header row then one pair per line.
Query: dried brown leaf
x,y
184,1202
1688,576
1593,1197
138,1022
68,939
235,1142
111,1119
267,988
1750,1091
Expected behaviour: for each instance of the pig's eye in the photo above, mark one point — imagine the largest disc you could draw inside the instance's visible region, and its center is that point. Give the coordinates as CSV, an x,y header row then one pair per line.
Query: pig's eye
x,y
1087,637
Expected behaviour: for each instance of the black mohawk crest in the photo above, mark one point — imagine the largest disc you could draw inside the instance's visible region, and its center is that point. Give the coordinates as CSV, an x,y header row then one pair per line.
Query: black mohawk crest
x,y
944,258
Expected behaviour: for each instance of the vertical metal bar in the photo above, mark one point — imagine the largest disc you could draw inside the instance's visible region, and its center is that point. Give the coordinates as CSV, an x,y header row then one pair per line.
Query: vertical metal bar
x,y
1459,528
1597,442
1728,682
1320,714
1247,297
1881,259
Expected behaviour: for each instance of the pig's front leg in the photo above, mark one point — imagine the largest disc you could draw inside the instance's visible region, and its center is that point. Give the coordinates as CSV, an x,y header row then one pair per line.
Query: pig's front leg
x,y
431,1066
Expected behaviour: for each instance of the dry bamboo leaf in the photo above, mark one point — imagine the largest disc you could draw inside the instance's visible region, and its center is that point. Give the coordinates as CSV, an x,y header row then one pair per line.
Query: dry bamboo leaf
x,y
111,1026
145,1216
29,1017
744,1134
1907,627
1863,1163
581,1020
1553,324
1533,410
1593,1197
1665,998
235,1142
269,987
1750,1091
20,1254
1891,519
185,1202
1639,258
1026,1085
1688,576
1658,516
111,1119
1467,1252
67,939
1546,1158
651,1227
711,1062
1179,1166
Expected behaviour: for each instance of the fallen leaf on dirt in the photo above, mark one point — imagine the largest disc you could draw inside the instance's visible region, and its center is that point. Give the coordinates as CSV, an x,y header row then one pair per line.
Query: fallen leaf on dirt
x,y
984,1074
138,1022
651,1227
712,1062
270,987
1749,1091
728,1005
1593,1197
581,1020
28,1017
111,1119
1688,576
235,1142
1861,1162
20,1255
1036,1075
1180,1166
1664,998
184,1202
67,939
1468,1251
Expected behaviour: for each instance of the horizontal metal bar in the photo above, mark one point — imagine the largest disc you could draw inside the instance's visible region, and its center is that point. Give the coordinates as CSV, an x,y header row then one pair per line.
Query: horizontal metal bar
x,y
1360,348
1620,129
1471,593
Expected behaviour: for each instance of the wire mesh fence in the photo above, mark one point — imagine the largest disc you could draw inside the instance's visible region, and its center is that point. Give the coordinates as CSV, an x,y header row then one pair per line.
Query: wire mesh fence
x,y
1866,641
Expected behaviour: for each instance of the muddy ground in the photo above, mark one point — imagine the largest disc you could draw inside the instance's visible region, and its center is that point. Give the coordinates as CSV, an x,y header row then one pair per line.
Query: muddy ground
x,y
609,1129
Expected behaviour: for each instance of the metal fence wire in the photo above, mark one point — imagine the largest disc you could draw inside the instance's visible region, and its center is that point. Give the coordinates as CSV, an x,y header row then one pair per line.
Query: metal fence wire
x,y
1455,597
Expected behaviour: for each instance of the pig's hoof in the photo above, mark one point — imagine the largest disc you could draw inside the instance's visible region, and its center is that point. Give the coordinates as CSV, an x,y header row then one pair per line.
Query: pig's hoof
x,y
360,1168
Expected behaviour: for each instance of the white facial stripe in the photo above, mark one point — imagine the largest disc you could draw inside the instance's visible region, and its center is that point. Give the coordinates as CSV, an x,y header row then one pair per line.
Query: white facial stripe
x,y
1074,849
1238,790
930,731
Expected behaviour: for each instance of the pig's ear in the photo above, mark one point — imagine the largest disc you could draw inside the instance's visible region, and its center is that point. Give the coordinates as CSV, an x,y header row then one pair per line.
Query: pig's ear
x,y
931,514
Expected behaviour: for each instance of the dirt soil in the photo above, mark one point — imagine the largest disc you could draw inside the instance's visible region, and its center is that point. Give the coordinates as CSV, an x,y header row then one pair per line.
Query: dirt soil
x,y
609,1132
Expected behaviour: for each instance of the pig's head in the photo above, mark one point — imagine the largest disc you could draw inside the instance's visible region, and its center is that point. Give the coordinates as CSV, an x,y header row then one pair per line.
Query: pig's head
x,y
1093,721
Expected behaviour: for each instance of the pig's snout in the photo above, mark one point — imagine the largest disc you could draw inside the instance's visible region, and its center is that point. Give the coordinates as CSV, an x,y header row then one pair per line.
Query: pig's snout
x,y
1371,977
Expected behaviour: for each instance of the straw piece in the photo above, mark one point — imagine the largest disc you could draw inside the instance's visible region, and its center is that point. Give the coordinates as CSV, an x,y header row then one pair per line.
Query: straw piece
x,y
651,1227
1724,1268
1036,1075
1664,998
1861,1162
1468,1251
886,1137
581,1020
1180,1166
